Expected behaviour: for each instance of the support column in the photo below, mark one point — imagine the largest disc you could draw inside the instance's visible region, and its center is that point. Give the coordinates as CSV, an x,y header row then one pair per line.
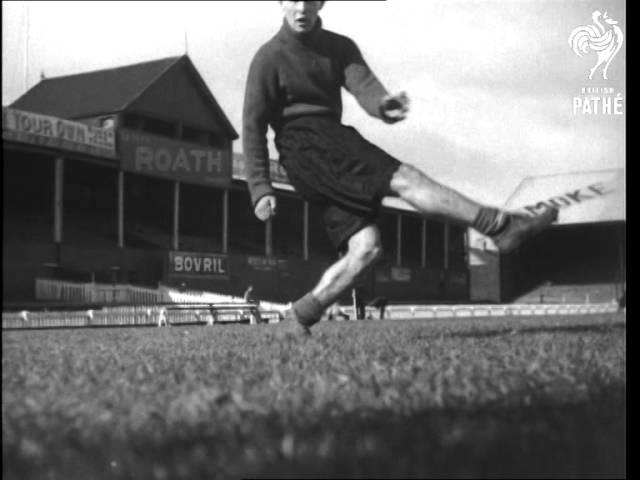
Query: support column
x,y
622,274
423,260
446,246
225,221
305,231
399,240
121,209
176,216
268,250
58,196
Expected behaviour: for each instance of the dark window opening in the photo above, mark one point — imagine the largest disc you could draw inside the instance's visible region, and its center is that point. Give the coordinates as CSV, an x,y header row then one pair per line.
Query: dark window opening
x,y
288,231
195,135
246,232
148,212
435,244
457,247
201,216
27,192
388,224
90,202
411,240
159,127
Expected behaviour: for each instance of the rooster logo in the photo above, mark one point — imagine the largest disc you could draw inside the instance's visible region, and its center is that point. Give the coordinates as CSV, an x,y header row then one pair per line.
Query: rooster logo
x,y
604,40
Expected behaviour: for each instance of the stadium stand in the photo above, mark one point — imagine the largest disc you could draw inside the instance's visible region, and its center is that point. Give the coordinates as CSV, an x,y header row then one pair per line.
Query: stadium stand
x,y
112,175
581,259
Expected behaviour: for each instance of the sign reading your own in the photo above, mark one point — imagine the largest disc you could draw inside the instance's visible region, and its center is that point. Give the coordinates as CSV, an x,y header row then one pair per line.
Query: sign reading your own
x,y
37,129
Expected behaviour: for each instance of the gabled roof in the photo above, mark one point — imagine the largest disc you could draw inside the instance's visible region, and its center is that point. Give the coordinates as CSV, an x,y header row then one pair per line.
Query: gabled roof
x,y
581,197
106,91
201,83
92,93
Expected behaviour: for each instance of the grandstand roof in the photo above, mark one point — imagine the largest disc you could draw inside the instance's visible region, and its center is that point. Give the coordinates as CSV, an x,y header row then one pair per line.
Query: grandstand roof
x,y
92,93
582,197
106,91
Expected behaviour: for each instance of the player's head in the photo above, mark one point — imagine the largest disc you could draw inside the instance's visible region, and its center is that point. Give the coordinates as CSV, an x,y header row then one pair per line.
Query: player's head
x,y
301,16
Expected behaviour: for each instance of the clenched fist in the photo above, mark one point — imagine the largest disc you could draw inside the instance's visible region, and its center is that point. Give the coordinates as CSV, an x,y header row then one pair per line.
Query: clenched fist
x,y
394,107
265,208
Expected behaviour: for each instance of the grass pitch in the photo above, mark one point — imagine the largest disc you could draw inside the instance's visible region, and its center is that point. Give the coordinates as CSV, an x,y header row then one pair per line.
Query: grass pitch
x,y
478,397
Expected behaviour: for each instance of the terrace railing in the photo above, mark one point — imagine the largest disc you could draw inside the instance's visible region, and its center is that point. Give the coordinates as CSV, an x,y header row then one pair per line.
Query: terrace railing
x,y
96,293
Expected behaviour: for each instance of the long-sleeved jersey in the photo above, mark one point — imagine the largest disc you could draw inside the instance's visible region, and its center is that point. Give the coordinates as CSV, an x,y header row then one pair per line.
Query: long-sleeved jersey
x,y
296,74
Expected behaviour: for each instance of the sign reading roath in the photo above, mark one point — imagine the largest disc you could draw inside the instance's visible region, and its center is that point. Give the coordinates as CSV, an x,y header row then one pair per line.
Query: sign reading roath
x,y
177,160
197,265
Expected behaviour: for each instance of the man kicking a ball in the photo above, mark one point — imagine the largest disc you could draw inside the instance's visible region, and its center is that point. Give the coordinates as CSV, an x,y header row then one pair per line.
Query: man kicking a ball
x,y
294,86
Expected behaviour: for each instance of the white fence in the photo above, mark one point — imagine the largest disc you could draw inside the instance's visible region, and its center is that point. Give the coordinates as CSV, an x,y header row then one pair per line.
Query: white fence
x,y
132,316
143,308
75,293
459,311
96,293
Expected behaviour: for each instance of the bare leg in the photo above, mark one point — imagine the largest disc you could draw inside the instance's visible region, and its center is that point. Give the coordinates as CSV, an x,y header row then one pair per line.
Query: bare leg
x,y
432,198
507,229
364,249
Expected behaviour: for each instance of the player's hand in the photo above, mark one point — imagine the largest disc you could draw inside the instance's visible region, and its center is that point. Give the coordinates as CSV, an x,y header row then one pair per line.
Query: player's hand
x,y
395,107
265,208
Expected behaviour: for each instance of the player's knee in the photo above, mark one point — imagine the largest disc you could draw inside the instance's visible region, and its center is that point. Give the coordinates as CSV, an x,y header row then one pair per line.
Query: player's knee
x,y
366,249
370,253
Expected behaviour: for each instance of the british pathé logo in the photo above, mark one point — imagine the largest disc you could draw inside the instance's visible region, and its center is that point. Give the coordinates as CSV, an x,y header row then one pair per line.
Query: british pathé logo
x,y
604,39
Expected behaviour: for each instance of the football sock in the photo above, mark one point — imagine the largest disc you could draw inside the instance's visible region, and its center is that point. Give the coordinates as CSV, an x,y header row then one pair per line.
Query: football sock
x,y
490,221
308,309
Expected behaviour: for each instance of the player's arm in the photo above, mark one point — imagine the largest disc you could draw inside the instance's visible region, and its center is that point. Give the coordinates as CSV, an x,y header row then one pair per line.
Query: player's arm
x,y
260,100
372,96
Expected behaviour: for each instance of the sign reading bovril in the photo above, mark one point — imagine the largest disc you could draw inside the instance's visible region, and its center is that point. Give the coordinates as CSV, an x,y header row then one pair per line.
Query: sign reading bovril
x,y
197,265
174,159
36,129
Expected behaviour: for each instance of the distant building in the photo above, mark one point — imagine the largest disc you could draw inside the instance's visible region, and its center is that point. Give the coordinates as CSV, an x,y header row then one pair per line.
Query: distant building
x,y
581,258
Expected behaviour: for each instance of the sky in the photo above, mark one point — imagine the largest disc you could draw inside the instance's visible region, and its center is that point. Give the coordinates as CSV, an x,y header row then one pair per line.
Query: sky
x,y
497,93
